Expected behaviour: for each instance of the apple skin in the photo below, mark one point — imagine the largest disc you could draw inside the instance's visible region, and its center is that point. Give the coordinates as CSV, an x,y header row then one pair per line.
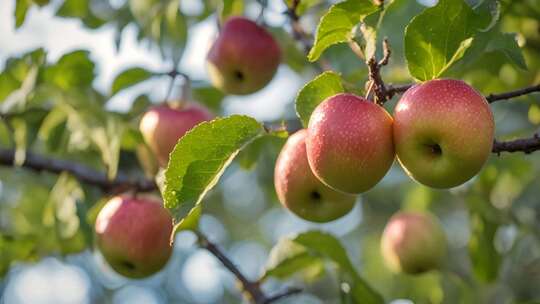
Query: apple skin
x,y
443,132
413,243
300,191
162,127
134,235
349,143
244,57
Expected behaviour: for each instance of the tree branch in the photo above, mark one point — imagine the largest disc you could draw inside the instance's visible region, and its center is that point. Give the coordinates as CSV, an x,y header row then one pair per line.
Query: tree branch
x,y
253,289
287,293
82,173
507,95
525,145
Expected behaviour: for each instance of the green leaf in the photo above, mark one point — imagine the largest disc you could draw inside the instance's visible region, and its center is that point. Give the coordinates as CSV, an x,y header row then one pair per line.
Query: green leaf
x,y
175,31
506,43
73,70
438,37
303,6
191,221
484,256
287,258
21,8
128,78
80,9
200,157
229,8
62,202
336,25
316,91
207,94
294,57
323,245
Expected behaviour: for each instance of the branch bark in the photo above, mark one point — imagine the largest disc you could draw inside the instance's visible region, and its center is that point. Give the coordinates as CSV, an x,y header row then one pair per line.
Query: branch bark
x,y
525,145
512,94
83,173
252,288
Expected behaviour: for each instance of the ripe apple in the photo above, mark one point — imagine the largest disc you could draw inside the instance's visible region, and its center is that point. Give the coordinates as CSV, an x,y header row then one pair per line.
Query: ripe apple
x,y
244,57
413,242
300,191
349,143
162,127
134,234
443,132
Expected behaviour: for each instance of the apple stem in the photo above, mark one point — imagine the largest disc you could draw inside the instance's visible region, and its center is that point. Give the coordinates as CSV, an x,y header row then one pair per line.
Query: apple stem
x,y
375,79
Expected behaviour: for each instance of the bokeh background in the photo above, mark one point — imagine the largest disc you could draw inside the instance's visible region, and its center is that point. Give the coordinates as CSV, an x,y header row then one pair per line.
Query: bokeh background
x,y
499,210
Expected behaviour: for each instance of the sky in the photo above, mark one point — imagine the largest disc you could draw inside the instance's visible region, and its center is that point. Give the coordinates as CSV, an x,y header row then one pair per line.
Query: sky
x,y
60,35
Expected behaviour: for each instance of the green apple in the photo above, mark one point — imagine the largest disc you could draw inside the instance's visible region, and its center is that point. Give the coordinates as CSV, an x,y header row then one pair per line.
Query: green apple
x,y
134,235
413,243
349,143
300,191
244,57
162,127
443,132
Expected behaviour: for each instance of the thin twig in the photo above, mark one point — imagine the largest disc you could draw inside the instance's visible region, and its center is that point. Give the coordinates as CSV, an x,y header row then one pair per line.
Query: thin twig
x,y
287,293
252,288
507,95
83,173
375,79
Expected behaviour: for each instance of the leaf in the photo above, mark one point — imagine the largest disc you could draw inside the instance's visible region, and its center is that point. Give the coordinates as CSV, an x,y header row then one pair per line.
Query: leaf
x,y
303,5
200,157
438,37
191,221
484,256
316,91
175,31
506,43
80,9
63,199
207,94
294,57
488,13
336,25
21,8
230,8
287,258
128,78
73,70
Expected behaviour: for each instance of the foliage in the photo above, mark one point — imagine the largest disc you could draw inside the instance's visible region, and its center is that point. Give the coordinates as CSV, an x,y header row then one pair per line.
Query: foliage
x,y
52,107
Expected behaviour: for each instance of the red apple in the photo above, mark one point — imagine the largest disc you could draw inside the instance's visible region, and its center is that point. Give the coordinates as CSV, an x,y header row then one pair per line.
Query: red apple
x,y
162,127
244,57
134,234
300,191
443,132
413,242
349,143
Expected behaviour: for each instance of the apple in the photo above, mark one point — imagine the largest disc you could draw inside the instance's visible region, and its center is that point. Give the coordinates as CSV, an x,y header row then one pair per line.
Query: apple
x,y
413,243
349,143
134,235
162,126
443,132
244,57
300,191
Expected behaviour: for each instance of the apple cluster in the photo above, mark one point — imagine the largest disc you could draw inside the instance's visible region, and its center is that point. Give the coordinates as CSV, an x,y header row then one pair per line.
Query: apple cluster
x,y
133,234
441,131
